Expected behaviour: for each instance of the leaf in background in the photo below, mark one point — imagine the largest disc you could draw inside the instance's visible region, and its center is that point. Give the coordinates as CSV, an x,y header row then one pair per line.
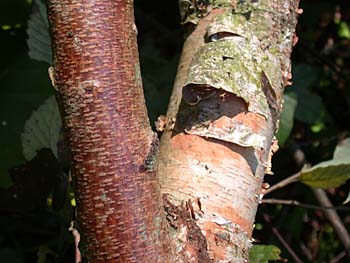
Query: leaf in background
x,y
33,182
42,129
330,173
24,85
39,41
317,127
263,253
343,30
310,108
287,117
304,76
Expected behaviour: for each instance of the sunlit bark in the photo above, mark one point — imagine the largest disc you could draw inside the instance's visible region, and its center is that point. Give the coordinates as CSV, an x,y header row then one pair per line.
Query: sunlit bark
x,y
99,89
217,140
216,182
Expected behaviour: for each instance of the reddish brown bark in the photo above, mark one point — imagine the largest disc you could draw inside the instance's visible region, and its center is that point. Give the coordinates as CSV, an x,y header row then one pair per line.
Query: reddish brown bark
x,y
99,89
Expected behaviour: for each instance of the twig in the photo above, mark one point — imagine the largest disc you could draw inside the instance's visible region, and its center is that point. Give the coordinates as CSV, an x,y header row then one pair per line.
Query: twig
x,y
321,59
297,203
76,235
331,214
338,257
283,183
333,218
282,240
306,251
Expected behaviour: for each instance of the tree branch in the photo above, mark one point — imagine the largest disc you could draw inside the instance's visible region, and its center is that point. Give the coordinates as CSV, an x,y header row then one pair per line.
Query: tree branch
x,y
282,240
333,217
297,203
283,183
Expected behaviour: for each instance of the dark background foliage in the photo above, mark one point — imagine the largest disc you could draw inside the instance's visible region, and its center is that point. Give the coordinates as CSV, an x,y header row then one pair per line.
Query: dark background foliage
x,y
34,222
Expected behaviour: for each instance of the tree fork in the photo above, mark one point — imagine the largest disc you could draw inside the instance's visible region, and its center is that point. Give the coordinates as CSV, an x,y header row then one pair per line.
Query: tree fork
x,y
97,78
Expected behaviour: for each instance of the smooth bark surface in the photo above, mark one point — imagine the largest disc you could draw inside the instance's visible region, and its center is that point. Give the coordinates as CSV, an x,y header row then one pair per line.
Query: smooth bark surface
x,y
98,82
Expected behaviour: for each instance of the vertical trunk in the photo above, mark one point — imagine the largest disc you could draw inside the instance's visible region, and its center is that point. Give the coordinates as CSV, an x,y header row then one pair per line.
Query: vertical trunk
x,y
99,89
218,140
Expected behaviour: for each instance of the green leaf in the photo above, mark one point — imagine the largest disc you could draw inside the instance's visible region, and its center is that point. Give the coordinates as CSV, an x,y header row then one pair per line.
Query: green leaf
x,y
310,108
343,30
287,117
24,85
330,173
264,253
317,127
39,41
304,76
42,129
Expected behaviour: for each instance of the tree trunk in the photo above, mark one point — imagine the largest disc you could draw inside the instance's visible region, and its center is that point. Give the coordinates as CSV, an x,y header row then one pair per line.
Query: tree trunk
x,y
218,141
219,128
99,89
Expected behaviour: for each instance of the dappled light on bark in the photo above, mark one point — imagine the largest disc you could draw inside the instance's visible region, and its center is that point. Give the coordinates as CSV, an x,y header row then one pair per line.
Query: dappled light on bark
x,y
97,78
216,153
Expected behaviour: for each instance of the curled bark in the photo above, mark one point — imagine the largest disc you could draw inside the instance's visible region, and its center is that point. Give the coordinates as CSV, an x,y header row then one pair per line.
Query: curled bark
x,y
215,153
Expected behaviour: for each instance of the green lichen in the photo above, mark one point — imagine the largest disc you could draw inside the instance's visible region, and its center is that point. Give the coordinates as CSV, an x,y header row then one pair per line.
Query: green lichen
x,y
256,30
229,65
244,55
222,3
192,10
229,23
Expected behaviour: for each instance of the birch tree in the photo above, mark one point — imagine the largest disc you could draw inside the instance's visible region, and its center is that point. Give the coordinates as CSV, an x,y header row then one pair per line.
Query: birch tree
x,y
195,200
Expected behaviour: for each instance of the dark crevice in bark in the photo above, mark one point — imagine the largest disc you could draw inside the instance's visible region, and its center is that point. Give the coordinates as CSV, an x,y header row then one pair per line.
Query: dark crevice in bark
x,y
190,242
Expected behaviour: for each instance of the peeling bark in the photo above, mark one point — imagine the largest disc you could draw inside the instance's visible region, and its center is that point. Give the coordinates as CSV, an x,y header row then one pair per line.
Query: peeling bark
x,y
217,146
97,78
